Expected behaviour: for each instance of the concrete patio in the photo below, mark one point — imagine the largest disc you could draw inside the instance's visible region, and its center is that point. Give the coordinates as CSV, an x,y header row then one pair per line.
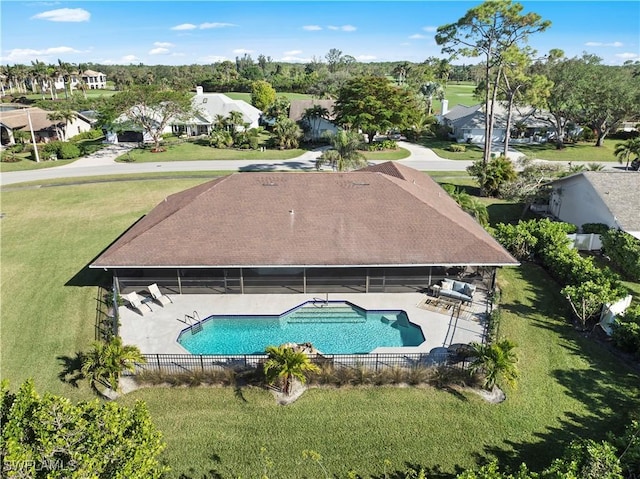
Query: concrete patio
x,y
156,331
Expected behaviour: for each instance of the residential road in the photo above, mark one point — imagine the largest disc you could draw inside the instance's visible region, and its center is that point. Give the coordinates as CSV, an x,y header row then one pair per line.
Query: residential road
x,y
103,163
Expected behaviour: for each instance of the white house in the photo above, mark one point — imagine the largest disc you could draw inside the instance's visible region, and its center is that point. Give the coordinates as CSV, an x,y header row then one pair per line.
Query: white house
x,y
207,106
467,124
609,197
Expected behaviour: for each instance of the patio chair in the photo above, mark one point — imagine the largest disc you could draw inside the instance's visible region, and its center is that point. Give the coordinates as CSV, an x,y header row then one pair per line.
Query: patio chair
x,y
135,300
158,296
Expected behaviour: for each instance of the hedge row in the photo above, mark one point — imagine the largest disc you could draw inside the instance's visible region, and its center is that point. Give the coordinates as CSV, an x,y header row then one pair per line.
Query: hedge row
x,y
624,251
586,286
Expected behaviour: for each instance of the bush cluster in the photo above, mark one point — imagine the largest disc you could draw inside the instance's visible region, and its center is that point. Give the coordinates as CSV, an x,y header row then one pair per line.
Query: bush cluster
x,y
60,150
381,145
594,228
626,331
624,251
328,375
87,135
586,286
457,148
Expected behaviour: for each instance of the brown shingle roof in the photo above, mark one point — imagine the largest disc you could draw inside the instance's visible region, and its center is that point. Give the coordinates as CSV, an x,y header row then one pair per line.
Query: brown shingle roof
x,y
383,215
17,119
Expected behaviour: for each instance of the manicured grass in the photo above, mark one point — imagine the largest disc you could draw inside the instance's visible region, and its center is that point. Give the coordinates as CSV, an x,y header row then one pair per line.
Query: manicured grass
x,y
188,151
457,94
569,387
26,163
388,155
441,148
573,152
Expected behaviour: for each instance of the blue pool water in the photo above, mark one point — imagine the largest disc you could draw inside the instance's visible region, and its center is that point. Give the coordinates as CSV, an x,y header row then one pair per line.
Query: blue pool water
x,y
333,328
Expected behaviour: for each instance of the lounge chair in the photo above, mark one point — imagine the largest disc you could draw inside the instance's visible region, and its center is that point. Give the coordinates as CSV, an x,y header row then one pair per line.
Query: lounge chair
x,y
158,296
135,300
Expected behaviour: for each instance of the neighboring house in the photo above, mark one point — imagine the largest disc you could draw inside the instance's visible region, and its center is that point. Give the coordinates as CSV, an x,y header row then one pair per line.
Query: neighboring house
x,y
317,127
44,129
609,197
467,124
94,80
385,228
207,107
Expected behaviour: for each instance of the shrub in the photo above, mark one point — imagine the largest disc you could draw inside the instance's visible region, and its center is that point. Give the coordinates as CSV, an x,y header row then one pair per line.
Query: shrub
x,y
61,150
626,331
492,175
87,135
624,251
594,228
457,148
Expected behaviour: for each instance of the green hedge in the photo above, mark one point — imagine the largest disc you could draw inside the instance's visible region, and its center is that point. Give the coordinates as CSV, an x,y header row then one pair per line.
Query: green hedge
x,y
586,286
624,251
595,228
626,331
457,148
58,150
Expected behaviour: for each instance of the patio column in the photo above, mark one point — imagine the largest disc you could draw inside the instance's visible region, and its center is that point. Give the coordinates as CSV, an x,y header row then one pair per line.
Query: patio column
x,y
179,282
304,280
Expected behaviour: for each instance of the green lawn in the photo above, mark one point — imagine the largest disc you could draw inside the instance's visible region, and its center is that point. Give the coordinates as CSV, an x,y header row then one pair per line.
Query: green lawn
x,y
188,151
569,386
441,148
575,152
26,163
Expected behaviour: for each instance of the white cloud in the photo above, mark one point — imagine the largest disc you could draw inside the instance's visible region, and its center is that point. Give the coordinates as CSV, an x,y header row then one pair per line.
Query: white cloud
x,y
430,29
293,53
205,26
312,28
602,44
366,58
212,59
627,56
294,59
163,44
129,59
184,26
22,55
64,15
418,36
158,51
344,28
241,51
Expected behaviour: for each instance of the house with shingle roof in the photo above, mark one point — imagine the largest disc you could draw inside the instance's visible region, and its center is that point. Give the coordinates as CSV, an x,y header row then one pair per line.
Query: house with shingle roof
x,y
467,123
23,118
384,228
318,126
608,197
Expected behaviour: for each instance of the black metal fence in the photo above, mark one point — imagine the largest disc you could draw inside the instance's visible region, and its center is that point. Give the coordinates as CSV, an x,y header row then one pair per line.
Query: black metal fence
x,y
106,325
191,363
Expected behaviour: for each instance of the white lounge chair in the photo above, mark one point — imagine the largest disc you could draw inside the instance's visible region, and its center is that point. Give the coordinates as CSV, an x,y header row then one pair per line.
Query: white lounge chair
x,y
135,300
158,296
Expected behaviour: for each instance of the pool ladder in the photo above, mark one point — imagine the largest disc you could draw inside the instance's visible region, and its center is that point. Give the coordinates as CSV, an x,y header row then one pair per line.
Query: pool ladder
x,y
195,325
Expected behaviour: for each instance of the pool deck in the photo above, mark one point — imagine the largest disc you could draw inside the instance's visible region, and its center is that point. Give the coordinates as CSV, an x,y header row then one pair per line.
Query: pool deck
x,y
156,331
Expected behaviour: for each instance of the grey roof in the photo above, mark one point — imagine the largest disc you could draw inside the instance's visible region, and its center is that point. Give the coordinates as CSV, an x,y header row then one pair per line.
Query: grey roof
x,y
619,191
472,117
209,105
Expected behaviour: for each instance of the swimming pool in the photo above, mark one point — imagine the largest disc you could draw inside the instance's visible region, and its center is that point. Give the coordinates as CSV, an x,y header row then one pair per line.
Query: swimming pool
x,y
332,327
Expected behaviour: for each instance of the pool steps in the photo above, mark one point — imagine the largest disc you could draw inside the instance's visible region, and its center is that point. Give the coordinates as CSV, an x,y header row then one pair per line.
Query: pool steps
x,y
327,314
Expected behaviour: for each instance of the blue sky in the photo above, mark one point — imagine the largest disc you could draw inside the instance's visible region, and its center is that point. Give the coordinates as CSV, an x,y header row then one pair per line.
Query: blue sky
x,y
184,32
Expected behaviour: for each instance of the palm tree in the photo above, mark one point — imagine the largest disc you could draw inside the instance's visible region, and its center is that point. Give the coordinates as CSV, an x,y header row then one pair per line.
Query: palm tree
x,y
105,362
468,203
344,155
400,72
220,122
286,133
496,361
313,115
285,364
624,151
235,119
430,90
38,75
66,70
62,119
